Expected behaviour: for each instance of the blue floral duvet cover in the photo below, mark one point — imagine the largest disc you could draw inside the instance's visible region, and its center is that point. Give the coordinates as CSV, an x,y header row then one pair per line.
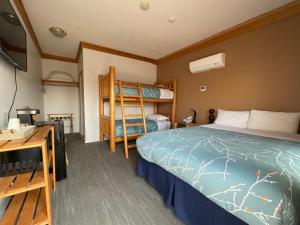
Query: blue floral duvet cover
x,y
253,177
148,92
151,126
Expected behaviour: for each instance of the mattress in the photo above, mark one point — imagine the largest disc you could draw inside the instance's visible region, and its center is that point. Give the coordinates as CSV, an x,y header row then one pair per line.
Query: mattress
x,y
255,178
148,92
152,125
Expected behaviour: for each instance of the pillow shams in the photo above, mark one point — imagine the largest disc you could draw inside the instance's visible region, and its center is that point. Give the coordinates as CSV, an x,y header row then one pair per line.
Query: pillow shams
x,y
237,119
274,121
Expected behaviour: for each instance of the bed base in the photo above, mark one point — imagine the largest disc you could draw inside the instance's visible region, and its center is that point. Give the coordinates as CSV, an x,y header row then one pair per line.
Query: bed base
x,y
188,204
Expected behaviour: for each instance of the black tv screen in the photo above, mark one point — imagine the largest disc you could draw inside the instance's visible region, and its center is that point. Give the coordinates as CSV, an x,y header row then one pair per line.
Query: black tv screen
x,y
12,37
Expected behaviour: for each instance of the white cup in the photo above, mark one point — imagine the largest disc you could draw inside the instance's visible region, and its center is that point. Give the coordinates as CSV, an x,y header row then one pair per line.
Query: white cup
x,y
14,124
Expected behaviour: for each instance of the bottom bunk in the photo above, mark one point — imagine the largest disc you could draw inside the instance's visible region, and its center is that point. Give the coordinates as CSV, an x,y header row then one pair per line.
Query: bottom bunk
x,y
152,125
113,129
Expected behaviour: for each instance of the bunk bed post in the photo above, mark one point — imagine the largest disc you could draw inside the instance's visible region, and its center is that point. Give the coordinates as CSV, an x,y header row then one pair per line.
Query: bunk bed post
x,y
155,104
112,103
173,120
155,107
101,108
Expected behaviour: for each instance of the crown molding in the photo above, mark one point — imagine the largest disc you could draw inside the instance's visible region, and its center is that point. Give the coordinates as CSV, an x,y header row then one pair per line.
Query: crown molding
x,y
276,15
116,52
59,58
22,12
79,51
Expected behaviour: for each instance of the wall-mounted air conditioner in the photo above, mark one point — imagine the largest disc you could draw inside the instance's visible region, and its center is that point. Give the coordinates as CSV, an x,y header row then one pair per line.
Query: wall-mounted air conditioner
x,y
208,63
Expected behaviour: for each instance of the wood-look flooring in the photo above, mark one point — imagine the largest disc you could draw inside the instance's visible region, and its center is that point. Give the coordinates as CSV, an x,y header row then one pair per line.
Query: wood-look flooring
x,y
102,189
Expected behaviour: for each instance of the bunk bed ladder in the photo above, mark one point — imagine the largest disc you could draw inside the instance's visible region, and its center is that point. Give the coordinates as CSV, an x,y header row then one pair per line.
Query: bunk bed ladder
x,y
124,99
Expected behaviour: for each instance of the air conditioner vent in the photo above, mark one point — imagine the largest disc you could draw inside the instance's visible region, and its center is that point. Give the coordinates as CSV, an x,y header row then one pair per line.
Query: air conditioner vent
x,y
208,63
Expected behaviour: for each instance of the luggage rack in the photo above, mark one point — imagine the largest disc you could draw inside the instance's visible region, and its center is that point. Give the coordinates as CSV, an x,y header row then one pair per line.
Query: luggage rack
x,y
63,116
30,192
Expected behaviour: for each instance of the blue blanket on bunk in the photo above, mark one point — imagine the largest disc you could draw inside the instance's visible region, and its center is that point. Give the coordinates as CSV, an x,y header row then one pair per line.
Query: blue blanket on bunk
x,y
148,92
151,126
255,178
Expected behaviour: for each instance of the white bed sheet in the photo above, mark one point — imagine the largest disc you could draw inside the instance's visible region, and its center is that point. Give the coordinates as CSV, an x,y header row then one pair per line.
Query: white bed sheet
x,y
271,134
166,94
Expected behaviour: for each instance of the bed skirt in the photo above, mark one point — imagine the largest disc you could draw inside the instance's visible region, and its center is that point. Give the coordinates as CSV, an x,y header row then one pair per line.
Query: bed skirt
x,y
189,205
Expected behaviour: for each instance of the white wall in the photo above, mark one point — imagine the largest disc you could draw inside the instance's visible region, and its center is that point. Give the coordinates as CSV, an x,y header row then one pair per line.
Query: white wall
x,y
29,87
95,63
29,84
61,99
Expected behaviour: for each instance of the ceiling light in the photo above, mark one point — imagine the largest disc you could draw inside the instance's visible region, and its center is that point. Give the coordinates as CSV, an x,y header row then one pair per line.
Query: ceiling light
x,y
58,32
144,5
172,19
10,18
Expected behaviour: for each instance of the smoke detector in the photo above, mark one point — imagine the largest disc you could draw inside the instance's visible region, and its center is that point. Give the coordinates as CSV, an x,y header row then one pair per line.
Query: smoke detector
x,y
171,19
145,5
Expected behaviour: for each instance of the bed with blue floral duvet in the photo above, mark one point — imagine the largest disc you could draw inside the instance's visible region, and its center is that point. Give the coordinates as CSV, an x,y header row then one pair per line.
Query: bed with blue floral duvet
x,y
255,178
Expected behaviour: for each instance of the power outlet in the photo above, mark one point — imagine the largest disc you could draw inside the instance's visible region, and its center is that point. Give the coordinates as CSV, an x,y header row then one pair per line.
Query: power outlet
x,y
203,88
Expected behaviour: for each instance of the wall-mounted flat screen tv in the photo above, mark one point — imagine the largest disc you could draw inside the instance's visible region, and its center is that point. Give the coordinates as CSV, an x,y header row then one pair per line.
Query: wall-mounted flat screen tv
x,y
12,37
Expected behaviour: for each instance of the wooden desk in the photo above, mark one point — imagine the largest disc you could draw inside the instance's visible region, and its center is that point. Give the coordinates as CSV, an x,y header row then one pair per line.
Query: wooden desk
x,y
31,192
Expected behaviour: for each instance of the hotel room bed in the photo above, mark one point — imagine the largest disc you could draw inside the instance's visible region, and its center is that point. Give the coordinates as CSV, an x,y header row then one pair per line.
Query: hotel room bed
x,y
214,175
152,125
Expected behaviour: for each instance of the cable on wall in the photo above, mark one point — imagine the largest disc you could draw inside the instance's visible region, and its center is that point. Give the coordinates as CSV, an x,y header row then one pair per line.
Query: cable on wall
x,y
14,98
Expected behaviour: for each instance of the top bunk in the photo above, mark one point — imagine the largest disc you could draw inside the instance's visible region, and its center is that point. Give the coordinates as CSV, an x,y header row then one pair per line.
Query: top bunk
x,y
160,93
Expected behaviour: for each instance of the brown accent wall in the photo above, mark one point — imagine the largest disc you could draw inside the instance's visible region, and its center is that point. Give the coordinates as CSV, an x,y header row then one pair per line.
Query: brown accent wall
x,y
262,72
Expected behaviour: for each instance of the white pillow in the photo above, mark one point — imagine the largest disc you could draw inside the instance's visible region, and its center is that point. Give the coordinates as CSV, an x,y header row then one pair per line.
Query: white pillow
x,y
232,118
274,121
157,117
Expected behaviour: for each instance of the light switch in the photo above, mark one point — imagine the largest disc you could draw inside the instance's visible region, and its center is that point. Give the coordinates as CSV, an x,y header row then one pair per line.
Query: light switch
x,y
203,88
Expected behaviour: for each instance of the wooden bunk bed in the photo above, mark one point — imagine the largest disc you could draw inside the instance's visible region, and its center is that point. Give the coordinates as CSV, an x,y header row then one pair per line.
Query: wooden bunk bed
x,y
107,93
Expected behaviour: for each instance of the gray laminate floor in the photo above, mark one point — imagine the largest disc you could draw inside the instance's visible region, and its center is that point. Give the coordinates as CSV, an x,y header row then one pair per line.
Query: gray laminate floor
x,y
102,189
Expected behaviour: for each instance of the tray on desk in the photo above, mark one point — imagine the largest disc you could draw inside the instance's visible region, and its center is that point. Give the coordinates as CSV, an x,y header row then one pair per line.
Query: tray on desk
x,y
8,134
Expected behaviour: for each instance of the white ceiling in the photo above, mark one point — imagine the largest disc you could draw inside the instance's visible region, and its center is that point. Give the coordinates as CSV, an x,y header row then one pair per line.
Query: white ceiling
x,y
122,25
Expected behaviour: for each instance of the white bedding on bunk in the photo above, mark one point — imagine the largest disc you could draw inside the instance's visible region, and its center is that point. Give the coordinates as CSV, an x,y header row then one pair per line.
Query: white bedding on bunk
x,y
166,93
163,124
271,134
